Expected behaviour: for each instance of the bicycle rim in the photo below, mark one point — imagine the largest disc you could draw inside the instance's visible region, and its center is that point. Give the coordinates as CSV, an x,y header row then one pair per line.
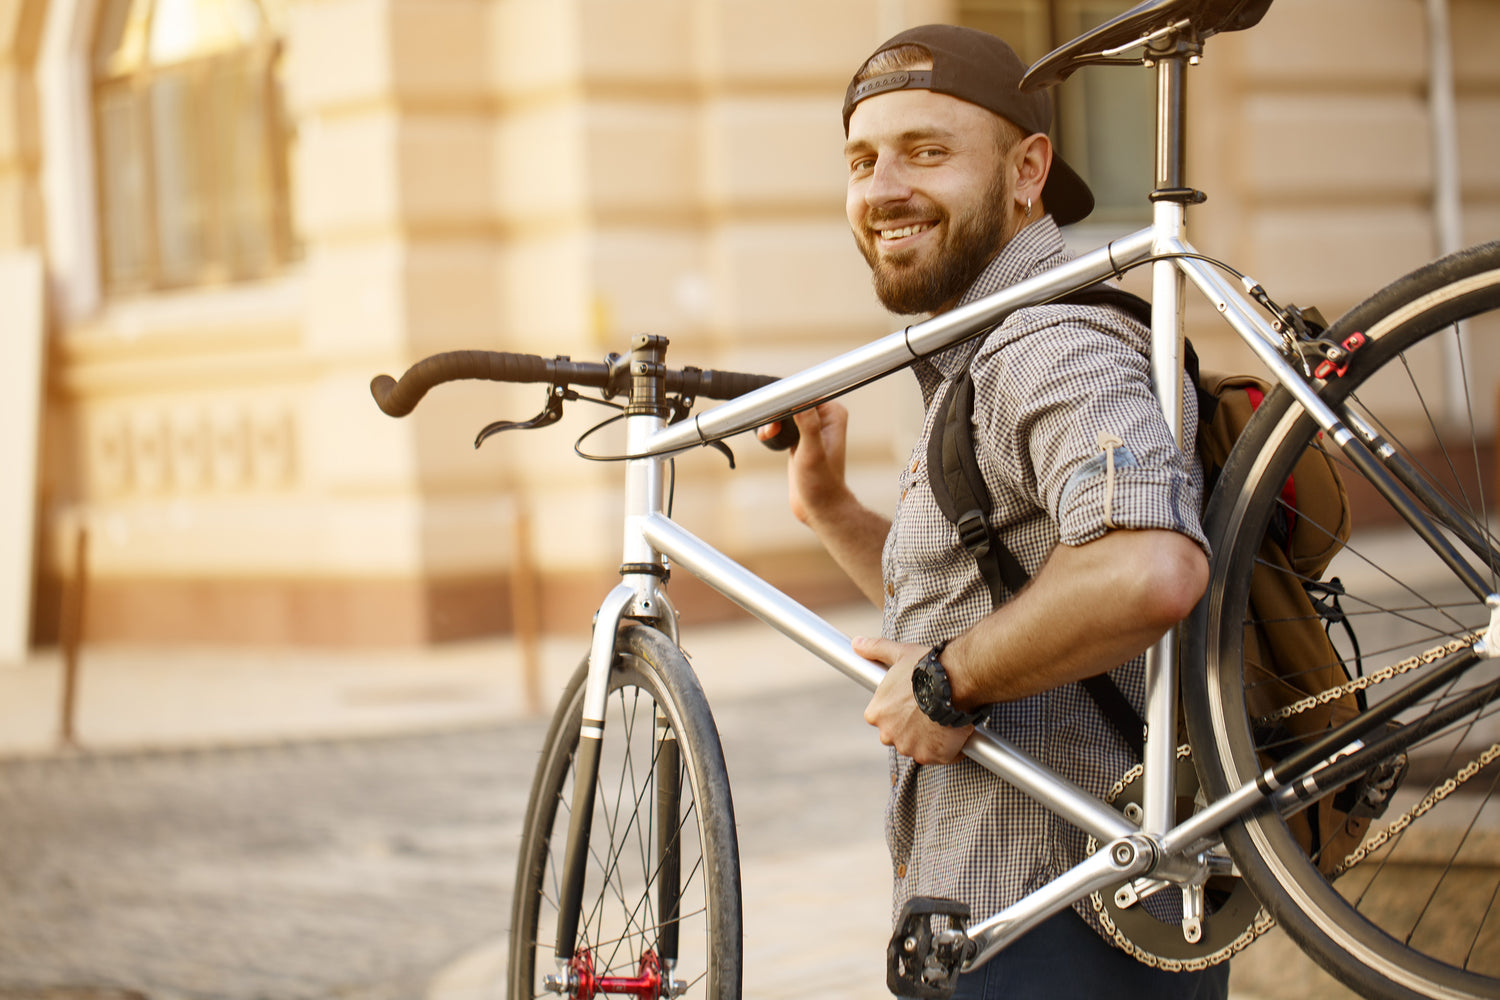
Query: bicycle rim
x,y
1415,908
651,815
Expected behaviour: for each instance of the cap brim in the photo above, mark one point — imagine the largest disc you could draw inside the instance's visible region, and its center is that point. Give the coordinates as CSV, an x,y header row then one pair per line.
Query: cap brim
x,y
1066,196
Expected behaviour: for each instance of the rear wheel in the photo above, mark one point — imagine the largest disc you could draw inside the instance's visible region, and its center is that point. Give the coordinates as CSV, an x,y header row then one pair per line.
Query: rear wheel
x,y
1414,908
660,910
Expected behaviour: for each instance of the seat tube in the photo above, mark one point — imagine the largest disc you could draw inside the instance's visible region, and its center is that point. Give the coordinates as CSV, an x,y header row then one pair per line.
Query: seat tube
x,y
1169,210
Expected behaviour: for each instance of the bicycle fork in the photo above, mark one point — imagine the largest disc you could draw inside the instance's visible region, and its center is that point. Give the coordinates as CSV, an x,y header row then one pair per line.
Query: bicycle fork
x,y
576,975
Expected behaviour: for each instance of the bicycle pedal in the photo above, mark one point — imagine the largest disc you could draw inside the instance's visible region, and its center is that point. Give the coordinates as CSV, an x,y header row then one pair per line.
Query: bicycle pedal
x,y
924,963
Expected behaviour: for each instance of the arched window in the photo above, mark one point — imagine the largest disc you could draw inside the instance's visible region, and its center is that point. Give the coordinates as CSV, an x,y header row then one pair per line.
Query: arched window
x,y
193,142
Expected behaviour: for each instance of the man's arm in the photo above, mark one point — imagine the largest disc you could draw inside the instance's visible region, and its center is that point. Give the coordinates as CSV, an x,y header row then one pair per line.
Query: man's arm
x,y
1089,609
821,499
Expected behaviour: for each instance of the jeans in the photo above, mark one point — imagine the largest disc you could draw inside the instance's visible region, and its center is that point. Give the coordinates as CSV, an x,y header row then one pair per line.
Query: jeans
x,y
1063,958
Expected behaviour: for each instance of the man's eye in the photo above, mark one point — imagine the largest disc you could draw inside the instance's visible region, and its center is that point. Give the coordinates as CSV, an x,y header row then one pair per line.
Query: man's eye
x,y
862,165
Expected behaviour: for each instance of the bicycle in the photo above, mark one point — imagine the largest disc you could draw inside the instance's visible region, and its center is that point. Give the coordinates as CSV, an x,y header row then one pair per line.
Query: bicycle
x,y
629,875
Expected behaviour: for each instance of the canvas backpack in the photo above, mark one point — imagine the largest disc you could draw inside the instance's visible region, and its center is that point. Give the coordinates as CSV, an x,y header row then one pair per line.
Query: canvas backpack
x,y
1289,654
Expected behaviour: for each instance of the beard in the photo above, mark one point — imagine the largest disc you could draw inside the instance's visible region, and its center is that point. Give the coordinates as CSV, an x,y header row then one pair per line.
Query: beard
x,y
906,284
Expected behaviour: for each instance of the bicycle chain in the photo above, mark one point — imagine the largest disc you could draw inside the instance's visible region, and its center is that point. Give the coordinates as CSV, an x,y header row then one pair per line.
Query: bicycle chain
x,y
1378,677
1373,843
1377,840
1263,920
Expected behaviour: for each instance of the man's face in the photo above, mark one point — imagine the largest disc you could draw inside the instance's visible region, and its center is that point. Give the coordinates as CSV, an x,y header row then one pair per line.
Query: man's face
x,y
927,196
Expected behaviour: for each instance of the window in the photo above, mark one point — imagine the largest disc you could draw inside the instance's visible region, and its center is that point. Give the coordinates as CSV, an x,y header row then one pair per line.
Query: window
x,y
193,142
1105,120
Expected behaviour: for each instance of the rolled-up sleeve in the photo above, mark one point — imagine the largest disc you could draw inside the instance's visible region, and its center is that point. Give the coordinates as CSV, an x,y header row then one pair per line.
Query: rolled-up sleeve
x,y
1077,429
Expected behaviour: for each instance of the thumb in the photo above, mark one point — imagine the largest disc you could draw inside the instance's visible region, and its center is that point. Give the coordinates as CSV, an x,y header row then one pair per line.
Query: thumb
x,y
879,650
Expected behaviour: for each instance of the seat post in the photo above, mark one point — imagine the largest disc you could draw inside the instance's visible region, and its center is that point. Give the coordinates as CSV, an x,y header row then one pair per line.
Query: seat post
x,y
1171,156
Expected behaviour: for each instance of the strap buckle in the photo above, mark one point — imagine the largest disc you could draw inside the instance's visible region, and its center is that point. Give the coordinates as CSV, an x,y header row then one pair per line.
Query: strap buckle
x,y
974,533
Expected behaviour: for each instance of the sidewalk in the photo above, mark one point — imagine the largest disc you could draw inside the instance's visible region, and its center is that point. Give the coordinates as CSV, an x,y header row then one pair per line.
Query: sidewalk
x,y
145,699
816,913
132,698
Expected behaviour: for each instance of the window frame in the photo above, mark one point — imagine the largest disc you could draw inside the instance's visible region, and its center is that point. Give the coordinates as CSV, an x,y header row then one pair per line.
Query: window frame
x,y
134,216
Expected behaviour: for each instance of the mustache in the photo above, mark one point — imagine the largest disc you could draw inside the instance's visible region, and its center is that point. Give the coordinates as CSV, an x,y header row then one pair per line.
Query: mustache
x,y
875,217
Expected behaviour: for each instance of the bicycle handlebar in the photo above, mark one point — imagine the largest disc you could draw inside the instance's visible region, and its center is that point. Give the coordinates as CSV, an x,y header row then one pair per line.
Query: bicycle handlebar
x,y
397,398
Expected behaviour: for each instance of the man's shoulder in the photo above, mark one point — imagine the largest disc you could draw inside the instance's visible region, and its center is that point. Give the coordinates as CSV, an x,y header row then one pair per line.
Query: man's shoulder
x,y
1060,328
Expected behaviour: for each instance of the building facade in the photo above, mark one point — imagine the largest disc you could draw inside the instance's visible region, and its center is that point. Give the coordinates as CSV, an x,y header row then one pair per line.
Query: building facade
x,y
245,209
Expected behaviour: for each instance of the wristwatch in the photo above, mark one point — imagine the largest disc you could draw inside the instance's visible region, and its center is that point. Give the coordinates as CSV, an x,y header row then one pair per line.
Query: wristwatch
x,y
934,695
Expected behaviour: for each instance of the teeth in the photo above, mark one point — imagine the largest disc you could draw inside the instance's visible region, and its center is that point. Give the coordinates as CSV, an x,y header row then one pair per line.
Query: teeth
x,y
896,234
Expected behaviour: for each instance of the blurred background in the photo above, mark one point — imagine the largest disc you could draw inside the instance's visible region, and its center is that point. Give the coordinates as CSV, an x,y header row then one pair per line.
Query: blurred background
x,y
220,218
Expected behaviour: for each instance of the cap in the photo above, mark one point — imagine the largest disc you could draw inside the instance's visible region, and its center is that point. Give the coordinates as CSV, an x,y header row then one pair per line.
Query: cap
x,y
977,67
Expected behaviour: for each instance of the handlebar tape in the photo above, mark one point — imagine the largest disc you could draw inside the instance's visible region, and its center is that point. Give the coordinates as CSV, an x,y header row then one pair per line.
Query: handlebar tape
x,y
397,399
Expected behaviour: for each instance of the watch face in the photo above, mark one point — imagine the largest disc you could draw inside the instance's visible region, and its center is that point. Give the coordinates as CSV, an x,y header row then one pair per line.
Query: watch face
x,y
921,687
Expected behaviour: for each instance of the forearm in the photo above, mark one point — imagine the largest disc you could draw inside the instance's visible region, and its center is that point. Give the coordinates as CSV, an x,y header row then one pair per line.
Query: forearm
x,y
1089,609
854,536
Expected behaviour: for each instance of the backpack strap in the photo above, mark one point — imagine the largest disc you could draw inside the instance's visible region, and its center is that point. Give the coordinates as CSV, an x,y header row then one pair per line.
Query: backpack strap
x,y
959,489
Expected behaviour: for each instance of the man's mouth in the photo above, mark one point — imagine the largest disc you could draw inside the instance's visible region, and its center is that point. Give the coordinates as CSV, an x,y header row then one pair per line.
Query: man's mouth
x,y
905,231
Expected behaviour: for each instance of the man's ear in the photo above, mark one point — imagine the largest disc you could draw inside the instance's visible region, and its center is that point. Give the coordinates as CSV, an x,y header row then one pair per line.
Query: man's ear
x,y
1031,159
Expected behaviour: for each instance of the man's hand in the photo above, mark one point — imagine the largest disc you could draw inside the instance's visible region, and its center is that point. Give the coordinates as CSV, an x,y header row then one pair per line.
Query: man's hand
x,y
821,499
893,710
815,474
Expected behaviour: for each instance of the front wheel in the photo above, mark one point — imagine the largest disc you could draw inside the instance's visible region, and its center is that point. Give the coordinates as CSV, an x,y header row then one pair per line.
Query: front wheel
x,y
1411,906
660,909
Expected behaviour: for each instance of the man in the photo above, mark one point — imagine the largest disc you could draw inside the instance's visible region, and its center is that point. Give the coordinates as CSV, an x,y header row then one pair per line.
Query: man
x,y
953,193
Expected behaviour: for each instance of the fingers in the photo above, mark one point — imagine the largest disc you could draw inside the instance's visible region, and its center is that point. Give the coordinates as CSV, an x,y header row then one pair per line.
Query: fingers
x,y
877,649
894,712
768,431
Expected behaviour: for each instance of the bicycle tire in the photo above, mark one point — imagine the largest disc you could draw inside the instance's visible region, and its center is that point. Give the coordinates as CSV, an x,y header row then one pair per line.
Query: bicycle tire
x,y
622,917
1416,909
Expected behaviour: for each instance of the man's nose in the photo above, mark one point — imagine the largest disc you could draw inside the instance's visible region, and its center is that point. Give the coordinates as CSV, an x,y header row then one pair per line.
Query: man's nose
x,y
889,183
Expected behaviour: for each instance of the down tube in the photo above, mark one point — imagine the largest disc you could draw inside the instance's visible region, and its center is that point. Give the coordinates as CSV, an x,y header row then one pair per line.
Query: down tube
x,y
827,643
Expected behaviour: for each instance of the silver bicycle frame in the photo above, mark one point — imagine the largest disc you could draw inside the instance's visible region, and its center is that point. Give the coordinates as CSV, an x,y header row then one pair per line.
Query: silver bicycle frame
x,y
1158,843
652,538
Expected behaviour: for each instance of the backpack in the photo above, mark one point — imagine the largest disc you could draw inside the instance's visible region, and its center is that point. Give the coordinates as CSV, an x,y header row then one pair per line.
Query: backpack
x,y
1292,608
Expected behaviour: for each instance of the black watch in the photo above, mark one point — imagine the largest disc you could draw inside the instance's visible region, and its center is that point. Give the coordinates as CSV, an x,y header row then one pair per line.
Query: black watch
x,y
934,695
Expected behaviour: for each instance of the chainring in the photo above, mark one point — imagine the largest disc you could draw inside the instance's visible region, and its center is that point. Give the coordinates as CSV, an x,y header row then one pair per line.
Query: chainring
x,y
1150,930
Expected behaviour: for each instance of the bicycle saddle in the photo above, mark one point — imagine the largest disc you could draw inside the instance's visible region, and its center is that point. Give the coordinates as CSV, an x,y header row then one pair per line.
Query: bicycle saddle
x,y
1205,17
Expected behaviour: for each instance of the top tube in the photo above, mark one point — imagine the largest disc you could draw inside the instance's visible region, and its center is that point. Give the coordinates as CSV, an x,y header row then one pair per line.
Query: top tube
x,y
824,381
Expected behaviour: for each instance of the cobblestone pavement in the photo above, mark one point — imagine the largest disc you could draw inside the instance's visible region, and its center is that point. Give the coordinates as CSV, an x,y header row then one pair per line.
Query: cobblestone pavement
x,y
351,869
364,868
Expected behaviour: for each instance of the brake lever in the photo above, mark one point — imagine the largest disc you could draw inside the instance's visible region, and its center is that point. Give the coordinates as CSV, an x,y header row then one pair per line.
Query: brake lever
x,y
551,414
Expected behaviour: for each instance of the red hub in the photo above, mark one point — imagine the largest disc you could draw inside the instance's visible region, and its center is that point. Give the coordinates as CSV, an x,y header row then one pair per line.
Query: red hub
x,y
646,983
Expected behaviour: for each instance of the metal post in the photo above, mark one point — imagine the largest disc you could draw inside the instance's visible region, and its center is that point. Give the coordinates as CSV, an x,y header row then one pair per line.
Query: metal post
x,y
74,600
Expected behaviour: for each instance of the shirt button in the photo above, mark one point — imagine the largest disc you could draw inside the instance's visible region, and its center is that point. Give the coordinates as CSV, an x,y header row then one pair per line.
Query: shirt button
x,y
914,464
890,589
901,871
893,781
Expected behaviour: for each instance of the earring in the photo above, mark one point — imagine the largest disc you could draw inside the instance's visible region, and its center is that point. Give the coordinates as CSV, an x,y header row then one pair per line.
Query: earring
x,y
1028,209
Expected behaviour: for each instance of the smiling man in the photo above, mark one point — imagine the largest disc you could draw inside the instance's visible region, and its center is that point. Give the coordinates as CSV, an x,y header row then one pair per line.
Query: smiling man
x,y
954,192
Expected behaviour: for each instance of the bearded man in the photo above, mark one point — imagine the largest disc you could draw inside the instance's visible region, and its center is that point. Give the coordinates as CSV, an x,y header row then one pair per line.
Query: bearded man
x,y
954,192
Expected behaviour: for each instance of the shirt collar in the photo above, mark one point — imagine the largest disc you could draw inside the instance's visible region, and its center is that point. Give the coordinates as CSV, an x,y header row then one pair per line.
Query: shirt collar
x,y
1034,249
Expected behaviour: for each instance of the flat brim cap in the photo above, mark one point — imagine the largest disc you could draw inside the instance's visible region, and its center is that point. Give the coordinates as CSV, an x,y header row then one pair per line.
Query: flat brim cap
x,y
977,67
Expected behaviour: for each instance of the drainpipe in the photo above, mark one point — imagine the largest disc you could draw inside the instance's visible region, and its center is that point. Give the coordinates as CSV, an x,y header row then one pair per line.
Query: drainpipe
x,y
1446,191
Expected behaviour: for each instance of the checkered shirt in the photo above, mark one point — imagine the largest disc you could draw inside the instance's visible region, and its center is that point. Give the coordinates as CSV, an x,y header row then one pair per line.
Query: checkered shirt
x,y
1047,382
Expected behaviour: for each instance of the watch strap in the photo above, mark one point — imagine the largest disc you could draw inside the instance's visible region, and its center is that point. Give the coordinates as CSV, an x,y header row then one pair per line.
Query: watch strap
x,y
939,705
